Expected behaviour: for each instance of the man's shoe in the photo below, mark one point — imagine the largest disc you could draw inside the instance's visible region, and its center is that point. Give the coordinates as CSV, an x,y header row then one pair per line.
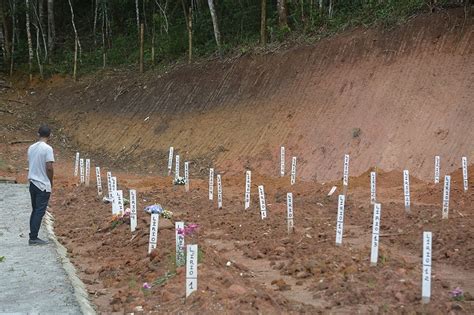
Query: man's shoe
x,y
37,242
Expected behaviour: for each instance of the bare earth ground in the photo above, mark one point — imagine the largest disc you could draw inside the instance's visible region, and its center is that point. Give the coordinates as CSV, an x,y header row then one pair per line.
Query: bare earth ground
x,y
409,92
271,272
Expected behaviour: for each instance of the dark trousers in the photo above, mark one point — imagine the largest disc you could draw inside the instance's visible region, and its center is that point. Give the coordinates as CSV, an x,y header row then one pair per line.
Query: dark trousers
x,y
39,203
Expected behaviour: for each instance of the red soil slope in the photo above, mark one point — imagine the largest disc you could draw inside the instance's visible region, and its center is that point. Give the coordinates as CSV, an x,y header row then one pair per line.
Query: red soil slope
x,y
392,98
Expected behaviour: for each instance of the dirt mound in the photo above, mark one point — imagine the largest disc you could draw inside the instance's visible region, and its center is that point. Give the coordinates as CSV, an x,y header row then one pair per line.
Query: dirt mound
x,y
392,99
249,265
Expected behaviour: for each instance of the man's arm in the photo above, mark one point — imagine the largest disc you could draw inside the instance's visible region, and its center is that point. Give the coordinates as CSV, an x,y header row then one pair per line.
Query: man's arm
x,y
50,172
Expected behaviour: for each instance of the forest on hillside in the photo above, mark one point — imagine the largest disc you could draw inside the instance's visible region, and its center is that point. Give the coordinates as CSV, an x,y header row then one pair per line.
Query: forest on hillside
x,y
44,37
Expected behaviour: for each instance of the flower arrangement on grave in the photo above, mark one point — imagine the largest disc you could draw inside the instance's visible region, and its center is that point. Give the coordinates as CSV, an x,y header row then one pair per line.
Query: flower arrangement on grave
x,y
120,218
179,181
457,294
189,231
157,208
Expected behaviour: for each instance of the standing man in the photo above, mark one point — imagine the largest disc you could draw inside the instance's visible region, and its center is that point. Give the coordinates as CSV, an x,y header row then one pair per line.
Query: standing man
x,y
40,175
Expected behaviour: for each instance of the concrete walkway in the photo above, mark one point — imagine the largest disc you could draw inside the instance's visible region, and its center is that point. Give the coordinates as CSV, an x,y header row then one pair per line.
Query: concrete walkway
x,y
32,278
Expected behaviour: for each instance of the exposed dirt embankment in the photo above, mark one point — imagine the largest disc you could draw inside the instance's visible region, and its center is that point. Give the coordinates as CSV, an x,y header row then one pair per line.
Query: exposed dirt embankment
x,y
393,99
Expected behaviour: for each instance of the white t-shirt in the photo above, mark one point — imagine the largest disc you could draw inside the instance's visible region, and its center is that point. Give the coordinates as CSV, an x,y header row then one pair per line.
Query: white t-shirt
x,y
38,155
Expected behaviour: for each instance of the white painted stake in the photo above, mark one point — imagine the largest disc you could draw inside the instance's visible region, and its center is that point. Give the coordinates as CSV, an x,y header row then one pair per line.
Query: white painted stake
x,y
464,173
115,203
211,184
293,170
263,206
289,212
170,160
345,178
373,187
81,169
282,161
340,220
88,172
155,219
437,167
447,187
109,184
406,190
133,210
114,183
176,171
191,269
426,279
98,180
219,191
119,195
248,179
76,165
374,254
333,189
180,256
186,176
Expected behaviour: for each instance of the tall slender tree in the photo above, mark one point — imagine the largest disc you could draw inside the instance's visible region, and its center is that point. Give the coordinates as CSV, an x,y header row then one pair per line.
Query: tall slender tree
x,y
28,34
137,11
77,43
217,33
263,23
5,32
51,27
94,27
38,48
13,11
38,16
282,13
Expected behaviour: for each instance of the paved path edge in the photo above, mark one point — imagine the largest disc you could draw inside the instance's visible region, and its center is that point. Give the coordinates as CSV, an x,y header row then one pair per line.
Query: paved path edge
x,y
80,291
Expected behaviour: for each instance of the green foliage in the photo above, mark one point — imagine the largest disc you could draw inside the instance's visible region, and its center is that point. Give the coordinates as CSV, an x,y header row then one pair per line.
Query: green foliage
x,y
239,23
163,279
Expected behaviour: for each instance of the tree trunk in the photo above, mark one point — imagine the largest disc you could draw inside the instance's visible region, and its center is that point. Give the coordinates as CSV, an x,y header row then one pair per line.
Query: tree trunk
x,y
263,23
144,13
142,31
330,9
104,32
108,28
138,18
190,31
30,44
94,28
6,37
282,13
188,16
38,53
51,27
74,72
163,13
217,33
77,43
39,15
2,43
13,10
43,26
153,36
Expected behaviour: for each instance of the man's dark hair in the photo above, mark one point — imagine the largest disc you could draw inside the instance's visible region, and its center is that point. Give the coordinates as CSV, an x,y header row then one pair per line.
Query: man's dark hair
x,y
44,131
